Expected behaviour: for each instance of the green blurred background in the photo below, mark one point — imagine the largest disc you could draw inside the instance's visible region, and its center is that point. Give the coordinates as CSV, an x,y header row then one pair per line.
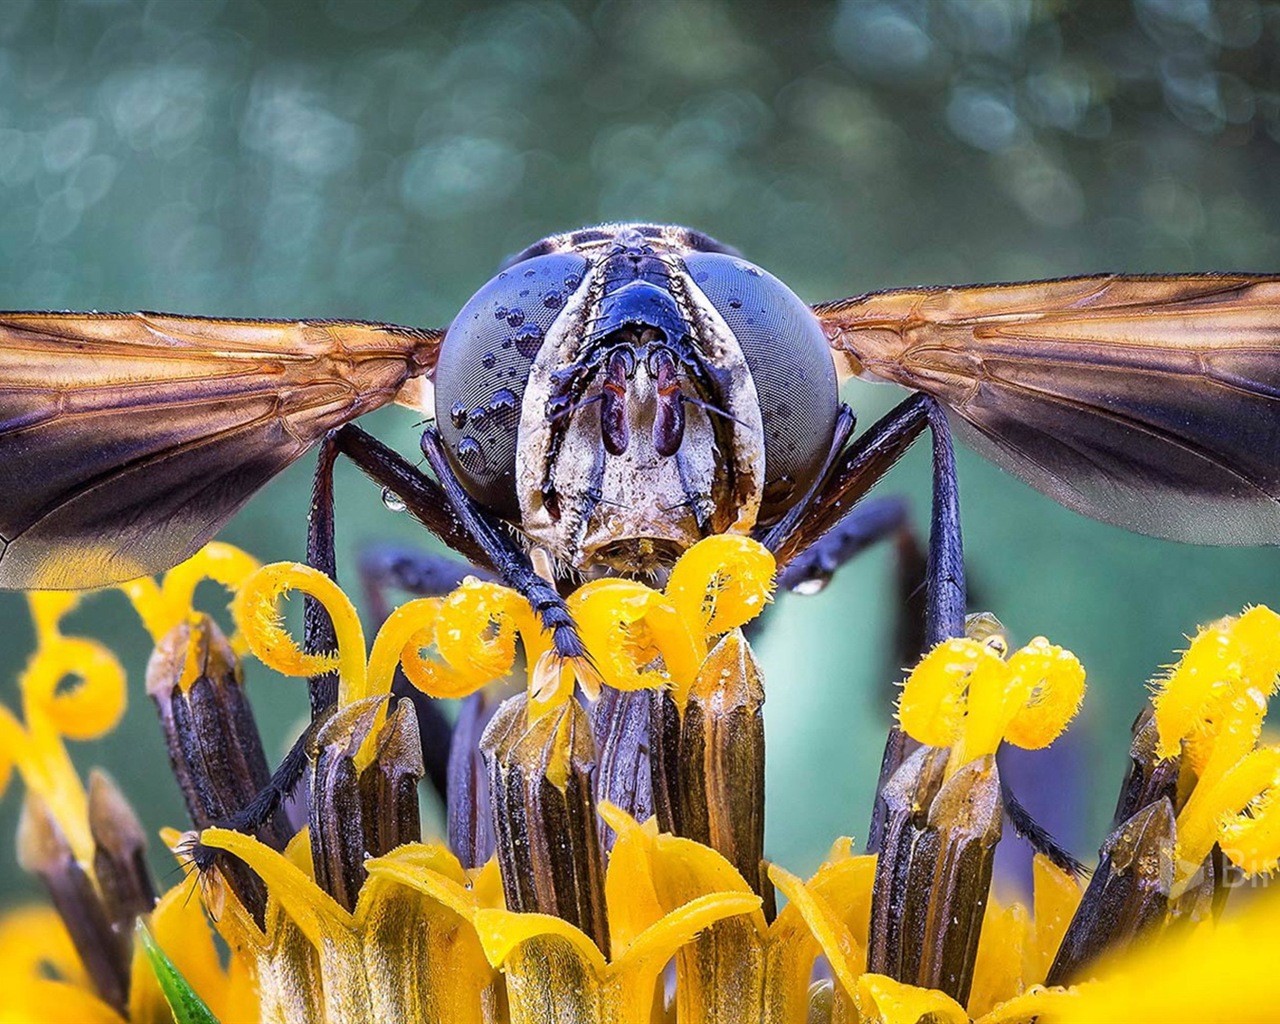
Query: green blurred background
x,y
353,158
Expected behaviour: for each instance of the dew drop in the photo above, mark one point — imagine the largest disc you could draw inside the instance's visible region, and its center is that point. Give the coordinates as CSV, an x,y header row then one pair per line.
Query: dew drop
x,y
515,316
528,340
500,313
572,281
470,454
809,587
489,361
735,302
458,415
552,300
392,500
504,406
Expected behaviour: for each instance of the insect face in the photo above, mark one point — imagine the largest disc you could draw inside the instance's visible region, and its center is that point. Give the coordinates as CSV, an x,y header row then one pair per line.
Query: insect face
x,y
667,390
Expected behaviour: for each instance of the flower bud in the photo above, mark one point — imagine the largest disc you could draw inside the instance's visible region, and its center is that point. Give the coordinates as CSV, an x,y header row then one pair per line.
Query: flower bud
x,y
540,778
933,871
708,761
363,783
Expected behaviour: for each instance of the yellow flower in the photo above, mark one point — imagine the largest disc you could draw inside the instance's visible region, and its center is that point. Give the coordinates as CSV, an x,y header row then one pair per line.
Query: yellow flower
x,y
576,916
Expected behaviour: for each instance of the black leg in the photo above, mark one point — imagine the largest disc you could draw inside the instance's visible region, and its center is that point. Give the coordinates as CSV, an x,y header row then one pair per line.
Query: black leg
x,y
862,464
945,593
867,524
317,635
317,628
860,467
509,561
421,573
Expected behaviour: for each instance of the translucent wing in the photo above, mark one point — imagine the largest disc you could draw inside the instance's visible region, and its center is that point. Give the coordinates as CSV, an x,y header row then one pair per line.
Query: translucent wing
x,y
128,440
1149,402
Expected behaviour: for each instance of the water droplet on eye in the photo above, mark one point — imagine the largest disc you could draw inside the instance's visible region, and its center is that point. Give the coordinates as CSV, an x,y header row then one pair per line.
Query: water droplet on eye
x,y
470,454
809,587
507,343
392,500
504,406
500,313
479,416
529,273
515,316
489,360
572,281
735,302
458,415
528,340
552,300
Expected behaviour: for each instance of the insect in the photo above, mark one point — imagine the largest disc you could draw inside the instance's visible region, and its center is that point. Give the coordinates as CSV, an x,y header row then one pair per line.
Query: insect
x,y
619,392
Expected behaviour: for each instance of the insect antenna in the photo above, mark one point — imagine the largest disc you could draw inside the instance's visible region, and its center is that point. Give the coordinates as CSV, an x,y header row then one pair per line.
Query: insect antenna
x,y
710,408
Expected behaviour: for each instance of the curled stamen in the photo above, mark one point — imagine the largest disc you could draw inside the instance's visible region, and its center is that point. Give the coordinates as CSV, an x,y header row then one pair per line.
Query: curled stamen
x,y
162,606
258,617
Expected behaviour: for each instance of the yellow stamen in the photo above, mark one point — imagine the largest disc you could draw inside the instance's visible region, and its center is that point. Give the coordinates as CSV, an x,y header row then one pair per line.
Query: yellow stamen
x,y
258,617
162,606
963,695
1211,707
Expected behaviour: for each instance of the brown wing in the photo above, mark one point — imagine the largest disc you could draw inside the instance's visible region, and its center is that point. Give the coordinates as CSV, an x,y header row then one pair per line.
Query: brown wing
x,y
1149,402
128,440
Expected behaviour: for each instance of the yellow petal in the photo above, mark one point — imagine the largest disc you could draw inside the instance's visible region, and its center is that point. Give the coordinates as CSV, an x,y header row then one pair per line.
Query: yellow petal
x,y
1222,973
55,1002
1056,897
313,909
181,929
659,942
997,972
430,869
847,958
1030,1006
895,1003
502,931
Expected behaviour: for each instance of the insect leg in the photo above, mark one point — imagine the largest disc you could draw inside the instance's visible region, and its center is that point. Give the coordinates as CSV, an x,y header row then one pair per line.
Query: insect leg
x,y
858,468
867,524
386,567
510,562
317,635
450,513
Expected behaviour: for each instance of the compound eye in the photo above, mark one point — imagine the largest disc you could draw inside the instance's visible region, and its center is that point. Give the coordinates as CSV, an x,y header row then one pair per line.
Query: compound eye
x,y
485,360
790,363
